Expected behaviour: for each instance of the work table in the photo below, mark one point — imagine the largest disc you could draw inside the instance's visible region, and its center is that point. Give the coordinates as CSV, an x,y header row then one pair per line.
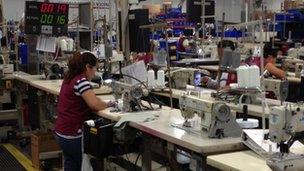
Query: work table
x,y
162,128
50,86
53,87
238,161
243,160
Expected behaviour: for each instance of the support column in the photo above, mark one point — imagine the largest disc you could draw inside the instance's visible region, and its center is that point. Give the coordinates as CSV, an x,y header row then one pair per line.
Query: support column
x,y
125,28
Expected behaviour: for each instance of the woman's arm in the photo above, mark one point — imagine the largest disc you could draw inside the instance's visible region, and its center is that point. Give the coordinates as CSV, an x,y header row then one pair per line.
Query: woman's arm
x,y
210,83
272,69
93,101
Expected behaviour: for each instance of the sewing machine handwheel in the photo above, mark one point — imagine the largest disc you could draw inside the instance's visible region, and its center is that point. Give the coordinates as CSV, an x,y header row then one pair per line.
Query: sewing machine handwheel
x,y
221,111
137,93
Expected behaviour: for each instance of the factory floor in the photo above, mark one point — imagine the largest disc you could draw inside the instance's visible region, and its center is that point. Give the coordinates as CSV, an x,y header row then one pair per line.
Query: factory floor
x,y
16,158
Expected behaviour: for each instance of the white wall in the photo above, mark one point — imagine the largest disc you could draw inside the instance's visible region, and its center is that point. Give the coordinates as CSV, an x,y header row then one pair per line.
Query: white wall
x,y
13,9
231,8
274,5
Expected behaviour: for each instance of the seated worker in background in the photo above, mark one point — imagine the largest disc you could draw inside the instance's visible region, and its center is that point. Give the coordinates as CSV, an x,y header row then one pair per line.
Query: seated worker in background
x,y
226,78
270,55
185,42
76,101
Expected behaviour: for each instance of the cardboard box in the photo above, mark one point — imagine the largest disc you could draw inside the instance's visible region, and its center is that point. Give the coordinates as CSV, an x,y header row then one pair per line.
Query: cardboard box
x,y
257,15
153,9
288,4
42,142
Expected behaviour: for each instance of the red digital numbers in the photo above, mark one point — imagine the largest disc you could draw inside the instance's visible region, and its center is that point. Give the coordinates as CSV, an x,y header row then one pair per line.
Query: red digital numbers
x,y
53,14
62,8
47,8
51,8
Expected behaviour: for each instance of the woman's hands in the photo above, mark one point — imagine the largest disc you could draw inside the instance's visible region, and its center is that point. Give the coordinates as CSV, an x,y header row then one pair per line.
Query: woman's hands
x,y
111,103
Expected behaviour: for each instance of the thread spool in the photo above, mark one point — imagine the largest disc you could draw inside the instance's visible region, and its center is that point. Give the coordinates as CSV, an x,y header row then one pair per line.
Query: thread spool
x,y
160,78
243,76
63,45
70,44
254,76
246,123
151,79
256,51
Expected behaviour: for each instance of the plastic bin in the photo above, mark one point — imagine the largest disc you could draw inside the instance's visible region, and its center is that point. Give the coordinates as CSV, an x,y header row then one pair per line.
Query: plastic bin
x,y
98,140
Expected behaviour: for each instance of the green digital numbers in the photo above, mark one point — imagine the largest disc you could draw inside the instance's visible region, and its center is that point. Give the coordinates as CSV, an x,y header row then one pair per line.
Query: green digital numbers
x,y
46,19
61,19
49,19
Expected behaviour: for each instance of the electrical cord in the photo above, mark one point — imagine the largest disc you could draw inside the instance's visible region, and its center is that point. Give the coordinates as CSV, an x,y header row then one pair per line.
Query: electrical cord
x,y
135,164
145,106
160,102
141,82
139,105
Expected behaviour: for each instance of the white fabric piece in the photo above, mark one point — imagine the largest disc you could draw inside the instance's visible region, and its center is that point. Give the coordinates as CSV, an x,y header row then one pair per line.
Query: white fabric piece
x,y
86,164
138,117
182,157
250,123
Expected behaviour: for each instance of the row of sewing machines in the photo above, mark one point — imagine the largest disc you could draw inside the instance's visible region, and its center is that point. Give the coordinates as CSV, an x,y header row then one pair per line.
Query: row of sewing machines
x,y
218,121
216,116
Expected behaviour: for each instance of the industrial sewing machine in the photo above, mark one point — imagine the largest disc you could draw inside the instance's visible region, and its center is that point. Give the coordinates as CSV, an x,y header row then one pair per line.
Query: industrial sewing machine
x,y
297,53
207,51
286,125
216,117
289,64
131,96
279,87
181,77
54,71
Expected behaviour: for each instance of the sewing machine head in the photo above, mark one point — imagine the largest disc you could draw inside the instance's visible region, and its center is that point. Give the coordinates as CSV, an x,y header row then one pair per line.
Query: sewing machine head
x,y
207,51
130,95
191,106
296,52
186,76
289,63
54,70
285,122
216,118
279,87
286,125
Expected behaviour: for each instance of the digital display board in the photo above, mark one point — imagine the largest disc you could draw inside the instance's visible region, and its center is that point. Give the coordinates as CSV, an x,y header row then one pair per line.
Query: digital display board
x,y
46,18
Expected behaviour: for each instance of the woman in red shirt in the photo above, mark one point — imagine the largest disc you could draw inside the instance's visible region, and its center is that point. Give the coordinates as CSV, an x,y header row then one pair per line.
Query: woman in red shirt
x,y
76,100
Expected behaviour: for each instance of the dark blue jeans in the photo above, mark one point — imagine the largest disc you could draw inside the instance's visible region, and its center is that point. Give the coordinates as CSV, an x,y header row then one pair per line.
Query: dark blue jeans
x,y
72,153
